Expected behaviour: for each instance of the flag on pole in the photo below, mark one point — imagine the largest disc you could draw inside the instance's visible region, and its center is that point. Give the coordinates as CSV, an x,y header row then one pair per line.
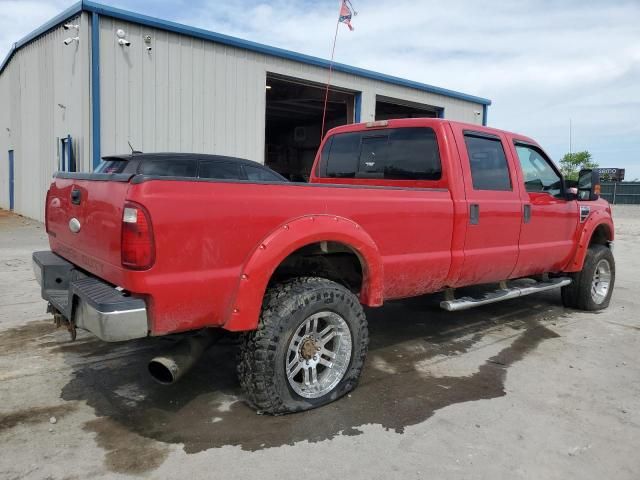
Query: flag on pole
x,y
345,14
346,11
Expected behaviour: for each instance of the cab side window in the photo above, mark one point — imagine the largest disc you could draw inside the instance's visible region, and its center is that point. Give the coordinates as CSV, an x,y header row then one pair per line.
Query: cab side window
x,y
257,174
221,170
488,163
169,168
539,175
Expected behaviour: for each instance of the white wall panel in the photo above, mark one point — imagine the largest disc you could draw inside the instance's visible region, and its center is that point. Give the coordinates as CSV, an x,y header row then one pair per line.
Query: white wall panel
x,y
185,94
192,95
45,96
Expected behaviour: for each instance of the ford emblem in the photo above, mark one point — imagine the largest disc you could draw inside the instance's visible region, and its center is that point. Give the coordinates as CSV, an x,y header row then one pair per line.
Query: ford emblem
x,y
74,225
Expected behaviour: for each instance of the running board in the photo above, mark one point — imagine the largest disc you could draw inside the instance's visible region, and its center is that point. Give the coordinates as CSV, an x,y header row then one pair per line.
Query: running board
x,y
465,303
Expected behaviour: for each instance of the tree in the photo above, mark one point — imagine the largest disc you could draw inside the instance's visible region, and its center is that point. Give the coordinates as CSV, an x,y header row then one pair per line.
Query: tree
x,y
572,163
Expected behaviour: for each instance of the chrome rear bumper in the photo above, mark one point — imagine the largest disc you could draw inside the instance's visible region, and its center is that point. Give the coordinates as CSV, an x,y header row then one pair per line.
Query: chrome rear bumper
x,y
88,302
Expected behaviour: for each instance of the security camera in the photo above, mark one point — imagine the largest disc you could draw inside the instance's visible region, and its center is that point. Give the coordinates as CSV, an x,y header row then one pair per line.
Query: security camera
x,y
121,33
69,26
148,49
124,42
70,40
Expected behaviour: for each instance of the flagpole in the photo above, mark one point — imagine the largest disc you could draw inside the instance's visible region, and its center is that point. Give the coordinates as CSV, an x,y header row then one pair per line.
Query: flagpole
x,y
326,93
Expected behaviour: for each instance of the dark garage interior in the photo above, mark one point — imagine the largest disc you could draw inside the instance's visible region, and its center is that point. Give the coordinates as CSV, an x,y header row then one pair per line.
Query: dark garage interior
x,y
387,109
294,120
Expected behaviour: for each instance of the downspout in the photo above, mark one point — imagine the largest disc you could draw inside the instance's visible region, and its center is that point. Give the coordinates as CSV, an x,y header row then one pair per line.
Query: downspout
x,y
95,88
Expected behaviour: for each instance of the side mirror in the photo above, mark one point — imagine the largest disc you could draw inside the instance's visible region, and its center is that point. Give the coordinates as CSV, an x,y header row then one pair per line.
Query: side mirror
x,y
588,185
571,189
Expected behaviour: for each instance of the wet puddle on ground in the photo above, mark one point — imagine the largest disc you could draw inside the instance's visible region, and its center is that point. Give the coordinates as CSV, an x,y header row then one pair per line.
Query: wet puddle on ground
x,y
205,410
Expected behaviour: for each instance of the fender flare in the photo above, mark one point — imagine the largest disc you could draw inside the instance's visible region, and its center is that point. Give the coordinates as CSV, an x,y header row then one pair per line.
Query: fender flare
x,y
583,238
245,306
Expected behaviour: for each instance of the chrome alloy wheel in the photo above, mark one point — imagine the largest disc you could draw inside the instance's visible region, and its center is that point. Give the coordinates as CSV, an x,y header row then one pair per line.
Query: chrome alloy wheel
x,y
601,281
318,355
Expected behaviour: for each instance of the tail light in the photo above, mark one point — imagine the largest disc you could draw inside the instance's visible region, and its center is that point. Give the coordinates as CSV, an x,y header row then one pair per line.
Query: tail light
x,y
46,211
137,246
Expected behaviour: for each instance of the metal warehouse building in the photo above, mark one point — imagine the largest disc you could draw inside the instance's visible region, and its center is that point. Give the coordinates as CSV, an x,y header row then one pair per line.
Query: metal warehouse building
x,y
95,78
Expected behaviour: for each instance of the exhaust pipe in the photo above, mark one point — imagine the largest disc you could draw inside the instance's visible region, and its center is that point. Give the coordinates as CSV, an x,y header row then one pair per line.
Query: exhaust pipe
x,y
178,360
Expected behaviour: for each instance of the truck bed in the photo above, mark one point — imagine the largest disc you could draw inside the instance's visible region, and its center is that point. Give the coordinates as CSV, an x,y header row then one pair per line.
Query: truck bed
x,y
206,230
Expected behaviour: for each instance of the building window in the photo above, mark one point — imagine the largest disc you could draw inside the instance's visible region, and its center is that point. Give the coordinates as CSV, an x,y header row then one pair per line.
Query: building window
x,y
66,158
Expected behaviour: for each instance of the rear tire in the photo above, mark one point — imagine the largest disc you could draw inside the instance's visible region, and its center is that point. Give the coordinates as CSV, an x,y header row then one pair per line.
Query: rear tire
x,y
592,287
309,347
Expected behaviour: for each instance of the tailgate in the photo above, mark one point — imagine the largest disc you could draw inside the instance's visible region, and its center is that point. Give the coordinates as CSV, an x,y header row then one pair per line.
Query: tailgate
x,y
84,219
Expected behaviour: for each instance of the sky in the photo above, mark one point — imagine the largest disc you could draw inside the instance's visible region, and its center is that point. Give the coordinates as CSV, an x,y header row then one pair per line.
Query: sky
x,y
543,63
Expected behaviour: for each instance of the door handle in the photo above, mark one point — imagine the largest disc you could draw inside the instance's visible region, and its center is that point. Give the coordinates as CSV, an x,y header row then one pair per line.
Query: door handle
x,y
526,214
75,197
474,214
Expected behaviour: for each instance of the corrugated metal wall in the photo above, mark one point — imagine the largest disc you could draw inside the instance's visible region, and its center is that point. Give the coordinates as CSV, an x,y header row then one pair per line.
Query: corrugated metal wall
x,y
185,94
44,94
194,95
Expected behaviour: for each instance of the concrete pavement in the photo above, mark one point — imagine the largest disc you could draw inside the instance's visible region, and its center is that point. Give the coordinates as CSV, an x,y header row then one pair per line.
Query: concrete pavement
x,y
521,389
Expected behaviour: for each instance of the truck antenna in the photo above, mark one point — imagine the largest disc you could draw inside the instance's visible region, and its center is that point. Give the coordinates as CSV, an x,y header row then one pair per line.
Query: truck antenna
x,y
133,152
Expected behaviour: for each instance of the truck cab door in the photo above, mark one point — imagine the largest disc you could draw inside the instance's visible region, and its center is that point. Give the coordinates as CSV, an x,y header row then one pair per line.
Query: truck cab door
x,y
549,220
494,208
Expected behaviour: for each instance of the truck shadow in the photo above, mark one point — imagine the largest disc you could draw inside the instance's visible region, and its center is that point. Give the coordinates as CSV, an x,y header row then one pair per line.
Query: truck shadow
x,y
406,380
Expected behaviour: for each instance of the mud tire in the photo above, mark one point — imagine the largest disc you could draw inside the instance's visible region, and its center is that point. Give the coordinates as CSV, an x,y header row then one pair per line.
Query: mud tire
x,y
578,294
261,366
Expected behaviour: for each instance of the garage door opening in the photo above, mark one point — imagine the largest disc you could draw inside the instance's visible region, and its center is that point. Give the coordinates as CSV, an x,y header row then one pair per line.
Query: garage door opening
x,y
294,120
388,108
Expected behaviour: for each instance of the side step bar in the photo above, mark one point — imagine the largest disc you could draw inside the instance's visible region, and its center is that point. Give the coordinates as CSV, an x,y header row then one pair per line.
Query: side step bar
x,y
466,303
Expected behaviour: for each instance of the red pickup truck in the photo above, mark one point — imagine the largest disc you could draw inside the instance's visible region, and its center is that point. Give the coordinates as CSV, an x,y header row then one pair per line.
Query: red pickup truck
x,y
393,209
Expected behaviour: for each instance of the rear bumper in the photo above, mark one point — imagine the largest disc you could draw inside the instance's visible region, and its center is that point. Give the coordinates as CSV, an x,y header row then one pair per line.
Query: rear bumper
x,y
88,302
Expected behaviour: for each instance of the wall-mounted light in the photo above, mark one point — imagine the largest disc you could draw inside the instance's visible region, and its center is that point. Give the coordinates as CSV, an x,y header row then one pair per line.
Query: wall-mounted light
x,y
147,42
268,87
70,40
69,26
121,34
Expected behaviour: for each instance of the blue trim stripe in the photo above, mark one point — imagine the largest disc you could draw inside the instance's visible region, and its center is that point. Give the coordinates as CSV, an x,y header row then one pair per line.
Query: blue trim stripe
x,y
152,22
11,180
272,51
8,57
70,12
95,88
357,108
485,111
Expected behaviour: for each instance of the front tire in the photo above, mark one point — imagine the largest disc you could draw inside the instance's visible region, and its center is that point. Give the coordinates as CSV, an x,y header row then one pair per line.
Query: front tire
x,y
309,347
592,287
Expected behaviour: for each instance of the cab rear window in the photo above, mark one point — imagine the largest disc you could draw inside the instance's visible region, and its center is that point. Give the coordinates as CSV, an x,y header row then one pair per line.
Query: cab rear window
x,y
392,154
